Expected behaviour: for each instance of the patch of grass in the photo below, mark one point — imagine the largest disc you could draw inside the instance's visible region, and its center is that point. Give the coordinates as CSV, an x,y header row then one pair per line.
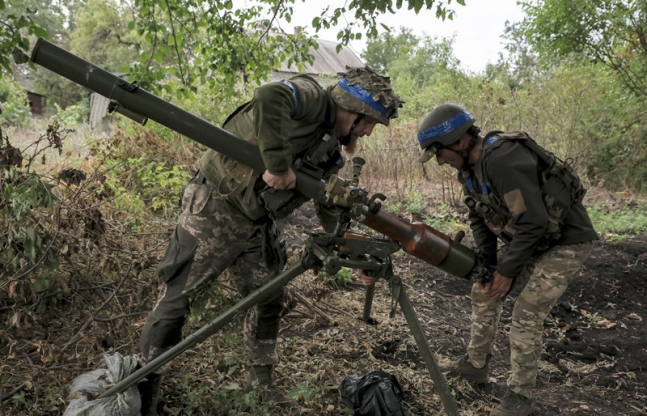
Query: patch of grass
x,y
414,202
623,219
394,208
444,219
310,390
339,280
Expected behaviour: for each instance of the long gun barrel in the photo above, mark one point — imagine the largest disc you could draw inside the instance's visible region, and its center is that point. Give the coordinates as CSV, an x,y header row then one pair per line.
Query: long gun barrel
x,y
417,239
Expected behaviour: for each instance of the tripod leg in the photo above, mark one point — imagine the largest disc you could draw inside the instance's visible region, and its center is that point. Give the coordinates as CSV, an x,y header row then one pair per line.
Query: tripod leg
x,y
368,304
437,377
209,329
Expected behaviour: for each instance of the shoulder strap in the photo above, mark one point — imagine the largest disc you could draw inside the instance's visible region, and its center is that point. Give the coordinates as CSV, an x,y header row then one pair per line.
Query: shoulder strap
x,y
547,157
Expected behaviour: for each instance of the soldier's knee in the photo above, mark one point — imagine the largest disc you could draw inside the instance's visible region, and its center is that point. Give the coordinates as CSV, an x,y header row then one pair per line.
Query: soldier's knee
x,y
272,305
160,333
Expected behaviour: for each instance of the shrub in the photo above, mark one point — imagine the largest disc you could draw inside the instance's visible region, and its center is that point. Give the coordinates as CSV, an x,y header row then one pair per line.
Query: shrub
x,y
16,104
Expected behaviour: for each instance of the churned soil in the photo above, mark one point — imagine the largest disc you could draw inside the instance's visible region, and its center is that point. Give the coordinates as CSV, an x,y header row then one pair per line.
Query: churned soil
x,y
595,341
595,338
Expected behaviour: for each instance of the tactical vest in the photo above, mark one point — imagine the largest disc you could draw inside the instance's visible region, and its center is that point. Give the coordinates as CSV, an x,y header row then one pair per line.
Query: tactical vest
x,y
311,144
560,188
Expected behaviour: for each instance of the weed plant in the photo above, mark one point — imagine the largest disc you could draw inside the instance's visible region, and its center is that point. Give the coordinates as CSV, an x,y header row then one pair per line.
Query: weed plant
x,y
620,218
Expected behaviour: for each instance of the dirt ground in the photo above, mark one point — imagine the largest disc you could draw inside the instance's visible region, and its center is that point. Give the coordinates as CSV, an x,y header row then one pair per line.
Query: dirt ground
x,y
595,347
594,359
595,338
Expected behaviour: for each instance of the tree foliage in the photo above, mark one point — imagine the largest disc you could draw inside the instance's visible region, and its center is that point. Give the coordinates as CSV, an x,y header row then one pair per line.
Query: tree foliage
x,y
102,35
177,45
16,24
611,32
404,54
214,42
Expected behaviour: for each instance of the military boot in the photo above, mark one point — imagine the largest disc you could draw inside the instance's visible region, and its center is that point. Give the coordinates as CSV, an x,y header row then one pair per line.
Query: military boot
x,y
463,368
261,377
513,404
149,390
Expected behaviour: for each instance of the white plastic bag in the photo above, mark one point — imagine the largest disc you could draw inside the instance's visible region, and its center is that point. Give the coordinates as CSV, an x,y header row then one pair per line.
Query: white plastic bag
x,y
126,403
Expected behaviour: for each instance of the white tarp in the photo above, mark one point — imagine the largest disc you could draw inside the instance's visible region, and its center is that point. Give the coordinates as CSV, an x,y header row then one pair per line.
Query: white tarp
x,y
127,403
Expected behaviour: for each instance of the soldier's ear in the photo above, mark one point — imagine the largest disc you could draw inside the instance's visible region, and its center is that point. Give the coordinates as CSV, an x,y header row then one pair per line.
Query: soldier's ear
x,y
462,143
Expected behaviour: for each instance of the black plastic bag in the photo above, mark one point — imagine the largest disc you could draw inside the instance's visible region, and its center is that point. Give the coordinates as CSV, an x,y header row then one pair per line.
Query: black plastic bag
x,y
377,393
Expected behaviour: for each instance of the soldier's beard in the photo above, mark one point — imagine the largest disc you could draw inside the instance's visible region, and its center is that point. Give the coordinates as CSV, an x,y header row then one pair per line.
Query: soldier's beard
x,y
349,142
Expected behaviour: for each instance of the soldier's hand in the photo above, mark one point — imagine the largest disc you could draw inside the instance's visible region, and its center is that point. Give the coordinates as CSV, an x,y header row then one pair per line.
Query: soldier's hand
x,y
281,182
366,279
498,287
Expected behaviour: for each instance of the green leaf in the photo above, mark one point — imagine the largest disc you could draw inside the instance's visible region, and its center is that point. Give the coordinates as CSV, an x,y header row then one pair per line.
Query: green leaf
x,y
40,32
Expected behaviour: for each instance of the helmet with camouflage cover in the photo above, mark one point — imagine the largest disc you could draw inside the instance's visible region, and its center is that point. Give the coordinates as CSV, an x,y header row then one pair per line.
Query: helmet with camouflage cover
x,y
442,127
364,91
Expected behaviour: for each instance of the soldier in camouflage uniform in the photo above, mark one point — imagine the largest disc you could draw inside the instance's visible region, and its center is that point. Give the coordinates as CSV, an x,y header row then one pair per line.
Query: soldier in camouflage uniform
x,y
522,195
229,210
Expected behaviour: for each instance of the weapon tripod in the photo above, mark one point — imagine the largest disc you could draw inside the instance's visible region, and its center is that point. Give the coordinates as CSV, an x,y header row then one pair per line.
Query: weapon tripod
x,y
328,253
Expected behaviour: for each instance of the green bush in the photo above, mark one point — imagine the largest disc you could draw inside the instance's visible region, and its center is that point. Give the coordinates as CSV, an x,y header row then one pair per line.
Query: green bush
x,y
16,104
20,242
73,115
628,218
144,184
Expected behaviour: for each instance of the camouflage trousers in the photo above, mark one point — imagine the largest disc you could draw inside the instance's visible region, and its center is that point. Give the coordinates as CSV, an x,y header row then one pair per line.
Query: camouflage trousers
x,y
545,278
213,236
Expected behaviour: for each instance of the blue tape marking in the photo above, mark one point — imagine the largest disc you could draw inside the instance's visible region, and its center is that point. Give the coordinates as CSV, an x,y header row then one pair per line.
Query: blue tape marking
x,y
295,92
445,127
364,96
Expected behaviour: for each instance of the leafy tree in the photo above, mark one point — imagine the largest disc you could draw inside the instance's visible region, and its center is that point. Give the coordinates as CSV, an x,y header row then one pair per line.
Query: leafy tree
x,y
521,67
611,32
51,19
102,36
389,47
184,43
407,55
214,42
16,24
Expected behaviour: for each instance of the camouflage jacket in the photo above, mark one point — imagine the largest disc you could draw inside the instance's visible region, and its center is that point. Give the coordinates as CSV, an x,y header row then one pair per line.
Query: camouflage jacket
x,y
507,177
287,119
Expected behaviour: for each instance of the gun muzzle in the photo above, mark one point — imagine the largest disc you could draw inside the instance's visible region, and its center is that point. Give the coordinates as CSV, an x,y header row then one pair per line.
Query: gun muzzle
x,y
144,104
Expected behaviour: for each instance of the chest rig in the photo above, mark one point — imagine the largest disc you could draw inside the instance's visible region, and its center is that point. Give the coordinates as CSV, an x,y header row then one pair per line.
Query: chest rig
x,y
312,148
560,188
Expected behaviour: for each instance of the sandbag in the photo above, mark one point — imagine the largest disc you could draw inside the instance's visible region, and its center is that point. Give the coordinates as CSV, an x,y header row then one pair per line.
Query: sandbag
x,y
127,403
377,393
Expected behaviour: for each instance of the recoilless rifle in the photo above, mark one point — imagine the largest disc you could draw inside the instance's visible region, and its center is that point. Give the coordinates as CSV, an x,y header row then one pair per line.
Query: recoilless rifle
x,y
328,252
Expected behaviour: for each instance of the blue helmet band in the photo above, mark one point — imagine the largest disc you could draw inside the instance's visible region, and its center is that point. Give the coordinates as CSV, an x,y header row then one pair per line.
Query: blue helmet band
x,y
445,127
365,97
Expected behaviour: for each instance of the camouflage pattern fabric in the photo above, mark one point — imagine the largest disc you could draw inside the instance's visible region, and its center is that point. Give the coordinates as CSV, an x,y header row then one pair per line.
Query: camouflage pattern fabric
x,y
212,235
379,86
547,276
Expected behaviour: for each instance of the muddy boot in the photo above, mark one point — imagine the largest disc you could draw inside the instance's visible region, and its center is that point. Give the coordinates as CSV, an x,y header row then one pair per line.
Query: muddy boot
x,y
463,368
513,404
149,390
260,377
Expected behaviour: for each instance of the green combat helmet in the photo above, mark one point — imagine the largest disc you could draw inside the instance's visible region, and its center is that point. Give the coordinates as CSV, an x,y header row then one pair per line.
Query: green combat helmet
x,y
363,90
442,127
